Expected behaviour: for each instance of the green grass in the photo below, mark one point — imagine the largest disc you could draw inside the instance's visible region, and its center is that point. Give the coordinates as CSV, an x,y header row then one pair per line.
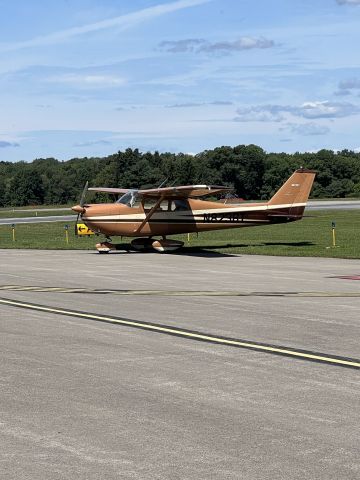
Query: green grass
x,y
308,237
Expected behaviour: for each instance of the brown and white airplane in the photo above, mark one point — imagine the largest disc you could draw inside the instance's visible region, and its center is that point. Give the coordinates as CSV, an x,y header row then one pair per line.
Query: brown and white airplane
x,y
160,212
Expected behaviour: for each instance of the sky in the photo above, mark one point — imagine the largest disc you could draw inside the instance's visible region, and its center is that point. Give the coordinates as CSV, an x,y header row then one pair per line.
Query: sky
x,y
91,77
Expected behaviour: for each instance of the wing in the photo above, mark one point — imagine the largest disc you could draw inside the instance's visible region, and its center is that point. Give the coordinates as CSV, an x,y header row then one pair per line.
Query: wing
x,y
109,190
183,191
169,192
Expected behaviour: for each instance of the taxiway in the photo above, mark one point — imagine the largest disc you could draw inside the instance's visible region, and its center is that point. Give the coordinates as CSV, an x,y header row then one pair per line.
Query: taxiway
x,y
88,399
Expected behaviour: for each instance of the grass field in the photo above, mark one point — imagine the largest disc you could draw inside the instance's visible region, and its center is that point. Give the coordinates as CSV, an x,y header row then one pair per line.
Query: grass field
x,y
311,236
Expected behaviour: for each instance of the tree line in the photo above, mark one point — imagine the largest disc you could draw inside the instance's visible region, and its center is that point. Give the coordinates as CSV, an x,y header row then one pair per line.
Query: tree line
x,y
253,173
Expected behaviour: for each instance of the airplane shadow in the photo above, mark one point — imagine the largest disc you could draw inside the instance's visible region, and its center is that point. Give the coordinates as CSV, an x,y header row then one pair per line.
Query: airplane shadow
x,y
206,251
190,251
203,252
289,244
210,251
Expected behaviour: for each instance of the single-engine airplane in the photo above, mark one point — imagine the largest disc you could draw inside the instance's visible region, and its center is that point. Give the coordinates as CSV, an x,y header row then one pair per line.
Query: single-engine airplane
x,y
164,211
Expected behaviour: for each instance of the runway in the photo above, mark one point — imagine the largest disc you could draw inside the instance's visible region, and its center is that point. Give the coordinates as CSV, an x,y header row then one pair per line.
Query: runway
x,y
340,204
94,399
45,219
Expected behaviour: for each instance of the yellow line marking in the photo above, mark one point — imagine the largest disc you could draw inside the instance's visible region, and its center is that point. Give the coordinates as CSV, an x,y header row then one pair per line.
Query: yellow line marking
x,y
186,334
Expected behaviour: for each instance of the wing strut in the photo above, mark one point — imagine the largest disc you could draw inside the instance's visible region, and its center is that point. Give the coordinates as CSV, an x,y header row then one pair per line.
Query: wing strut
x,y
149,215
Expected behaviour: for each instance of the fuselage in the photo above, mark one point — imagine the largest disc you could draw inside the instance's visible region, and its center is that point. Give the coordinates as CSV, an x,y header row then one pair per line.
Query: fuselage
x,y
193,216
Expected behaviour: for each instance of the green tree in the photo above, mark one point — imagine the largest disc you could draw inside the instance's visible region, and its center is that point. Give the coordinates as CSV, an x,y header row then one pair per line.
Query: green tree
x,y
26,188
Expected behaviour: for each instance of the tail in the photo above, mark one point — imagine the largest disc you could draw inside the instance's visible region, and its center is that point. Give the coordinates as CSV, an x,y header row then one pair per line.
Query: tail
x,y
289,201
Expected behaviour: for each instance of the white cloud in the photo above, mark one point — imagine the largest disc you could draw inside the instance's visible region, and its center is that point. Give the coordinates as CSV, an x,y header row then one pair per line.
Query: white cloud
x,y
259,113
243,43
199,104
199,45
309,129
325,109
88,80
348,2
91,143
349,84
5,144
309,110
121,22
179,46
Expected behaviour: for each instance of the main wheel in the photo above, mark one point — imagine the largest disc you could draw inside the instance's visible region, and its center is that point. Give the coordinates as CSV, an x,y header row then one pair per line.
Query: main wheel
x,y
166,245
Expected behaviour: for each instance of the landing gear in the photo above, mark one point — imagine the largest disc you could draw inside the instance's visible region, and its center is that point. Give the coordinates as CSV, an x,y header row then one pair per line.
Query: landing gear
x,y
105,247
144,244
165,245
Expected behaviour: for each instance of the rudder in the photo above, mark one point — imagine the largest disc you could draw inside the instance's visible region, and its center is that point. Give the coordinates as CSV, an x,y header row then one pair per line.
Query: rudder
x,y
292,196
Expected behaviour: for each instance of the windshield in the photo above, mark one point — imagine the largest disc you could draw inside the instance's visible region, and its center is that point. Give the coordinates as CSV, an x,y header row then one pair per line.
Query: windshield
x,y
128,198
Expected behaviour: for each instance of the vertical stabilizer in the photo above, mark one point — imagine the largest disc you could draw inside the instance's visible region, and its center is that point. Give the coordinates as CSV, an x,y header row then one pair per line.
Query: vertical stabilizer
x,y
291,198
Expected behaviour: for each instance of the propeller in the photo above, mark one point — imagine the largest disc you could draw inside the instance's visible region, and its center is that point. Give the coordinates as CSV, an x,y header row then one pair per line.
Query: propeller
x,y
80,208
83,195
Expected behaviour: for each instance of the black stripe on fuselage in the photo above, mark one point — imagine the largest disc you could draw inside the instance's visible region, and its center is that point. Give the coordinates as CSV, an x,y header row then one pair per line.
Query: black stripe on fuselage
x,y
182,221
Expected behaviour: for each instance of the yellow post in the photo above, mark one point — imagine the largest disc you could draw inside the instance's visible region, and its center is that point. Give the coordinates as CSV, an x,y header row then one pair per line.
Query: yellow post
x,y
13,232
333,234
67,234
188,237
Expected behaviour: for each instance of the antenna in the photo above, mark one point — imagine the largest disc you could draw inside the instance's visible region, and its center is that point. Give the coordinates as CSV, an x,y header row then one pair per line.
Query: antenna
x,y
163,183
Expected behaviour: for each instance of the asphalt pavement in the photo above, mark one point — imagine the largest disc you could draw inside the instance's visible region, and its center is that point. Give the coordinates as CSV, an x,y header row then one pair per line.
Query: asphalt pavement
x,y
85,399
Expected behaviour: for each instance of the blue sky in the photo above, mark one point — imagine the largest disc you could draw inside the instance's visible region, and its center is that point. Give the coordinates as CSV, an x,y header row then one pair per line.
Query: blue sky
x,y
90,77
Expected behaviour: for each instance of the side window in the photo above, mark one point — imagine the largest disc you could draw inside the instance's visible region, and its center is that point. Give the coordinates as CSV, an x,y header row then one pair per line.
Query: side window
x,y
149,203
180,204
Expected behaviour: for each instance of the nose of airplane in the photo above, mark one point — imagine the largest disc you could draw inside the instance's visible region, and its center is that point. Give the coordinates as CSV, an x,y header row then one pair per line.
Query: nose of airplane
x,y
78,209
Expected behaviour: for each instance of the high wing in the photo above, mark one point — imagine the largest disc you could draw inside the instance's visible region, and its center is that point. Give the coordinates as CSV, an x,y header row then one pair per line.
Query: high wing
x,y
110,190
184,191
169,192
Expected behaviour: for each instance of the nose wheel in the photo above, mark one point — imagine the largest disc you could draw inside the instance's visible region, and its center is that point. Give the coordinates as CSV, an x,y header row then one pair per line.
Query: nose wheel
x,y
105,247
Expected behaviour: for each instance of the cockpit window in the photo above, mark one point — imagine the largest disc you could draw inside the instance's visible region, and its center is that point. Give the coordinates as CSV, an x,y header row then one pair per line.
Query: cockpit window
x,y
181,204
128,198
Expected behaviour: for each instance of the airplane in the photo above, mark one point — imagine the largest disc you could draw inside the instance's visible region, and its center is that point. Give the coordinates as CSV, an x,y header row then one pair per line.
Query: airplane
x,y
164,211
